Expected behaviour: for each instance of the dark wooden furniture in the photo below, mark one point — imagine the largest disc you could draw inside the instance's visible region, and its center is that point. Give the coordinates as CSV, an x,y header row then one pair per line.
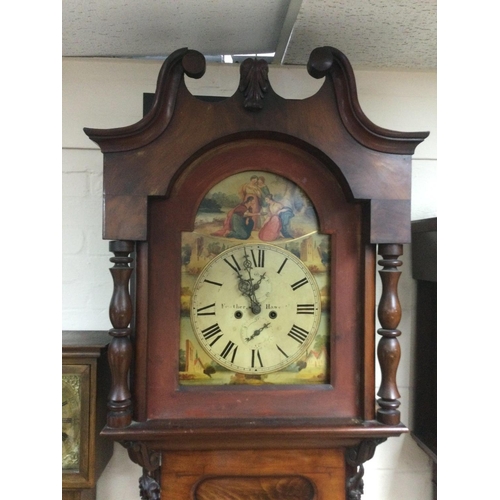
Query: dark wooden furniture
x,y
85,370
156,174
424,271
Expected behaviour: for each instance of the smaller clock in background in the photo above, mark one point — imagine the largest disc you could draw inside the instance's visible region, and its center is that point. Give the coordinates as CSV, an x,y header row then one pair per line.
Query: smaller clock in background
x,y
255,309
71,421
85,382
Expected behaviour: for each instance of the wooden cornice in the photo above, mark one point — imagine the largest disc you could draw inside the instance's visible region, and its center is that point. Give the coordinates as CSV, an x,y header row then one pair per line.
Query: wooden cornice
x,y
142,160
323,62
330,62
139,134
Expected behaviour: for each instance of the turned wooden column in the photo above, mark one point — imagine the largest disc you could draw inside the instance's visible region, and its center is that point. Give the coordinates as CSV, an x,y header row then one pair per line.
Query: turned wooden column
x,y
120,348
389,351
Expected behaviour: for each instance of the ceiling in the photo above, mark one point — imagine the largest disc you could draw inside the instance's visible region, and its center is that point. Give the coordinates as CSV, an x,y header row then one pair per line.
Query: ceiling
x,y
388,34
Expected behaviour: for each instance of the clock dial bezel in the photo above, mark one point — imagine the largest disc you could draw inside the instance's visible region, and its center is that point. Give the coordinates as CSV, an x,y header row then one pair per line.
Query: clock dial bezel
x,y
278,296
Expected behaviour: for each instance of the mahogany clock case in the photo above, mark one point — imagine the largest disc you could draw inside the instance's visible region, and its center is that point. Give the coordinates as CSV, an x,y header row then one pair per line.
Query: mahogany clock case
x,y
157,172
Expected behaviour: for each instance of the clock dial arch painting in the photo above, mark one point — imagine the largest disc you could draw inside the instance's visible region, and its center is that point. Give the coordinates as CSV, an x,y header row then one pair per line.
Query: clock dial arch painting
x,y
258,229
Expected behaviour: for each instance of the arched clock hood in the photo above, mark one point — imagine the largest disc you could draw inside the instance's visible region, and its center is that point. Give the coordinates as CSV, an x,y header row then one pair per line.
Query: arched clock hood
x,y
374,163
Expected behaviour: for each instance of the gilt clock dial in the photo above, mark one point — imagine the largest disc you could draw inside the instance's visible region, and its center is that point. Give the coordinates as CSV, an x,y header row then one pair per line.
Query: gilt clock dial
x,y
255,308
71,421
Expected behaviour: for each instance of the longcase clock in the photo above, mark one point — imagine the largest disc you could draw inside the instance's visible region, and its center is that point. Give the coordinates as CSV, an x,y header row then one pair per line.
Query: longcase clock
x,y
243,349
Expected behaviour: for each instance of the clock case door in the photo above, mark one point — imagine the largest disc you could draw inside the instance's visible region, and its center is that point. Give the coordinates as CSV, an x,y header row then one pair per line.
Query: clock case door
x,y
342,397
157,171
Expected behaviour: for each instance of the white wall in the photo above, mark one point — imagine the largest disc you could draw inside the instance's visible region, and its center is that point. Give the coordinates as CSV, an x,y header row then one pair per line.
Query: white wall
x,y
105,93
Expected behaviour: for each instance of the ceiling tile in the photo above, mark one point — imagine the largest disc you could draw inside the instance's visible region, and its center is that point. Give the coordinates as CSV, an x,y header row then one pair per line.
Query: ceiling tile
x,y
395,34
372,33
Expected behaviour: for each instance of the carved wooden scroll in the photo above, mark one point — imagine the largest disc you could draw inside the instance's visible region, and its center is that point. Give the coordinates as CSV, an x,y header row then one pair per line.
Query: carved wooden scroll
x,y
355,458
150,461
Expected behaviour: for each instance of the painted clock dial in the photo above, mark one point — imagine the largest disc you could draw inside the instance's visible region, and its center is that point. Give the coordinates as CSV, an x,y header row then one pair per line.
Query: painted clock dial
x,y
275,333
255,308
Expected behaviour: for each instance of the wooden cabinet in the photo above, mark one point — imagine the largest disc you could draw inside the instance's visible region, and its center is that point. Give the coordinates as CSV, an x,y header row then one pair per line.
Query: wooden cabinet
x,y
242,187
85,380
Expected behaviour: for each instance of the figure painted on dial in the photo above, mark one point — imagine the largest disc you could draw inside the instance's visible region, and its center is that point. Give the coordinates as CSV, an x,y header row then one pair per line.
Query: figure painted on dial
x,y
277,222
251,191
239,222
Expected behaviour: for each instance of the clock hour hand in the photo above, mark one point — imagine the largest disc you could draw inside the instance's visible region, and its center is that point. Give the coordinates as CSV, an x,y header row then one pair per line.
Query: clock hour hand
x,y
246,288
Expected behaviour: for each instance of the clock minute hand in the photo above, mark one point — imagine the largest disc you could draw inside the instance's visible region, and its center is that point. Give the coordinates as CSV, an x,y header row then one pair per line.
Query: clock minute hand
x,y
256,286
246,287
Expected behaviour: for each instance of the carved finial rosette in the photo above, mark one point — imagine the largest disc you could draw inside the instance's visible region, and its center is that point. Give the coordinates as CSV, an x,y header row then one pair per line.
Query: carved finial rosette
x,y
254,82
